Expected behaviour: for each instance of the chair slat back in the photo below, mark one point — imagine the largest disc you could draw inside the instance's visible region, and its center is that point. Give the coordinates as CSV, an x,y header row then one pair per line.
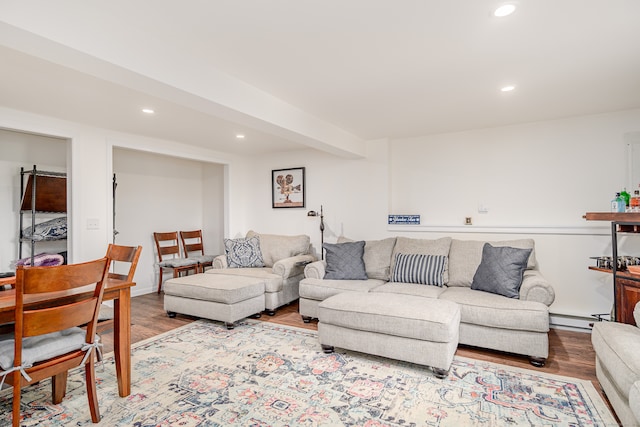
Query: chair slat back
x,y
60,297
167,244
188,243
47,320
127,254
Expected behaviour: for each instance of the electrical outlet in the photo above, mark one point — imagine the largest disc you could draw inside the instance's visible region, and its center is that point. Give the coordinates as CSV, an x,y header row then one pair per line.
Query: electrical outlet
x,y
93,224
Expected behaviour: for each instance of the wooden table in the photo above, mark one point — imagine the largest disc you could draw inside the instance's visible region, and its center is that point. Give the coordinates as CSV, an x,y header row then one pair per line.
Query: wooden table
x,y
117,290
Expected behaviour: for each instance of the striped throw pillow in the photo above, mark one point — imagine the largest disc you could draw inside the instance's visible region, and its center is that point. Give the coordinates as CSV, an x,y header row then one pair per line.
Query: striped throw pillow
x,y
420,269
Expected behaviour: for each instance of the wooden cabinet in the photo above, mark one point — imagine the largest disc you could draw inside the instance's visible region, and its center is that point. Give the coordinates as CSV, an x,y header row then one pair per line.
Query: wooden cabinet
x,y
627,295
626,286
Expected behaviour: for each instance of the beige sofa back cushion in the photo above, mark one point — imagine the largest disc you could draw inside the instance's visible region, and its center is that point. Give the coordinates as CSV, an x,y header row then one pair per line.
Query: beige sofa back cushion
x,y
275,247
405,245
377,257
465,257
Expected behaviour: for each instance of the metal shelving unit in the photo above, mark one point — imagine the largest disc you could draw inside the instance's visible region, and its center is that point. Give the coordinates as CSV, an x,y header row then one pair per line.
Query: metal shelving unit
x,y
43,192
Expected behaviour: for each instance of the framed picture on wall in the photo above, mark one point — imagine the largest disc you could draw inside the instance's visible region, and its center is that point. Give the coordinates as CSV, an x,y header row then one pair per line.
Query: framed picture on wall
x,y
287,188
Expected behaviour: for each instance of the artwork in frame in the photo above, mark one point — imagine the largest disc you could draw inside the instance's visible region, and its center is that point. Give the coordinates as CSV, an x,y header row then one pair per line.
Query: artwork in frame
x,y
288,188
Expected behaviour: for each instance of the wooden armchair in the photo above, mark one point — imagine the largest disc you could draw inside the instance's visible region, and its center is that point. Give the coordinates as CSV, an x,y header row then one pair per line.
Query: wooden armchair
x,y
48,340
169,256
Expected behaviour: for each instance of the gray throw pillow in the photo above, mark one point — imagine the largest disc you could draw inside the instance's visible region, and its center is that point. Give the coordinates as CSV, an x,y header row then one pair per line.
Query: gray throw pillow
x,y
344,261
501,270
243,253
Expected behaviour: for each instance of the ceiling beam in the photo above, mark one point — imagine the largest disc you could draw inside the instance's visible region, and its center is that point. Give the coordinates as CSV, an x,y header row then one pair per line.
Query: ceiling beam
x,y
208,91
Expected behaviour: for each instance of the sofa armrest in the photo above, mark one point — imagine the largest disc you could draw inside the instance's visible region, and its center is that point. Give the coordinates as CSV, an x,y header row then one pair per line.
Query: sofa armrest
x,y
536,288
220,261
315,270
289,267
634,400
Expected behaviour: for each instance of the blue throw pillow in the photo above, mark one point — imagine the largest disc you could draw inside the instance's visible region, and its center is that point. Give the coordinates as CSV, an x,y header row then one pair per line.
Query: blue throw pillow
x,y
420,269
501,270
244,252
344,261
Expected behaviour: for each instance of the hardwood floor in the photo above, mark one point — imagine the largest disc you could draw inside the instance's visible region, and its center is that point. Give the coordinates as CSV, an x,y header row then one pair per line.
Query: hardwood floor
x,y
570,353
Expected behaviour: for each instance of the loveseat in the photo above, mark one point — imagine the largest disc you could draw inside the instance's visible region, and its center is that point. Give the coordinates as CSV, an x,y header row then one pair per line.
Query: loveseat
x,y
277,259
617,346
448,269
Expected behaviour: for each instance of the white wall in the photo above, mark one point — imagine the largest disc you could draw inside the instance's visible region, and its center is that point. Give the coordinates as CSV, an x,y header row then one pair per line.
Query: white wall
x,y
546,173
158,193
353,193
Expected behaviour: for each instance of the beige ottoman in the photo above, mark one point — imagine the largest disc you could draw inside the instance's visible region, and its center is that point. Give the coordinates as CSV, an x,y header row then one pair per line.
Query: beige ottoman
x,y
215,296
414,329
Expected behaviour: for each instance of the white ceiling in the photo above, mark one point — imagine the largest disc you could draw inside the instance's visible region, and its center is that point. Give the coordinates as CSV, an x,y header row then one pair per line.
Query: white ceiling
x,y
328,74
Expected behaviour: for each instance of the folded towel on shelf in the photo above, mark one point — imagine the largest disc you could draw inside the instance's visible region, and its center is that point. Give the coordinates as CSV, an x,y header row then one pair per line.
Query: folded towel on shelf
x,y
42,260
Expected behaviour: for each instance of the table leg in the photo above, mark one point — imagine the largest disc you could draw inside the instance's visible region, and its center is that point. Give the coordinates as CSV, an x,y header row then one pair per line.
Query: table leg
x,y
122,341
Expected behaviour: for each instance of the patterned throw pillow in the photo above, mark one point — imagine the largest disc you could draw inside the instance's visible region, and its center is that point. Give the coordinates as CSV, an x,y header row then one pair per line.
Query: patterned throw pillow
x,y
501,270
344,261
420,269
244,252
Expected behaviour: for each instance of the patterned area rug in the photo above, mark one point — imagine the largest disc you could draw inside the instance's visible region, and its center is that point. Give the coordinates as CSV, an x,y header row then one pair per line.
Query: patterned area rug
x,y
260,374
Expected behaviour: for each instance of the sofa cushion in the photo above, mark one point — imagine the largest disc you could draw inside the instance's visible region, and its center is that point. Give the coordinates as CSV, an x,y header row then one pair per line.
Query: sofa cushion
x,y
500,271
465,257
406,245
275,247
377,257
321,289
221,288
243,253
420,269
617,346
410,289
496,311
344,261
272,282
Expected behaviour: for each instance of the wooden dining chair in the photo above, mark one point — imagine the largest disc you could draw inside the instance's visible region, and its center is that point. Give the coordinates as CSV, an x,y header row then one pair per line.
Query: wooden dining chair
x,y
168,250
193,248
119,256
51,305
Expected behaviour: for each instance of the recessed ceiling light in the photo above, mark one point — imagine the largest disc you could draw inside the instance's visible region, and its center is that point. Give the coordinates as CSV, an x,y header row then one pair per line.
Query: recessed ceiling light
x,y
148,111
504,10
508,88
240,136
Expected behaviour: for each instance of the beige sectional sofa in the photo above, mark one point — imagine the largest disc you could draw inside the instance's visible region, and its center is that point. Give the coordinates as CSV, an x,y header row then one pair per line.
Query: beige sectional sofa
x,y
617,346
517,324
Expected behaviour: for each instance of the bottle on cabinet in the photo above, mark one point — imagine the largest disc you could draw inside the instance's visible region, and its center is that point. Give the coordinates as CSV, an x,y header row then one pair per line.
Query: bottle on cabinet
x,y
634,203
618,204
626,197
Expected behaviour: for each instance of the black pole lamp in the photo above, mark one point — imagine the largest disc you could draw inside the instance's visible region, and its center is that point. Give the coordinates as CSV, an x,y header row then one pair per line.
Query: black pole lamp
x,y
321,215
